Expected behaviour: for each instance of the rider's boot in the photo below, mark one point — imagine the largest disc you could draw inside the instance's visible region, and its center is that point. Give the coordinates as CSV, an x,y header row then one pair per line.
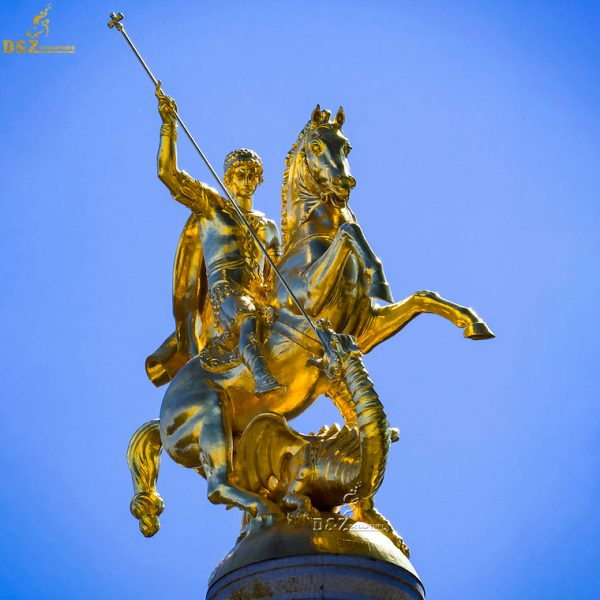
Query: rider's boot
x,y
255,361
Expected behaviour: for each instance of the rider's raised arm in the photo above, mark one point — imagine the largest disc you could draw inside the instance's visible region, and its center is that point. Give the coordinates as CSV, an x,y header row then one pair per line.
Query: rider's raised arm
x,y
192,193
184,188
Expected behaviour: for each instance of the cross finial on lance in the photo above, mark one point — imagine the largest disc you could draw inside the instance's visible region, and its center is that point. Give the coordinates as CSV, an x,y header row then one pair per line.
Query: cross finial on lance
x,y
115,21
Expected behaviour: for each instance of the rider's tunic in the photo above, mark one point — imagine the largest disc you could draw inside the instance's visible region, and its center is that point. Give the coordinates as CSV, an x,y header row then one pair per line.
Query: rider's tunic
x,y
237,275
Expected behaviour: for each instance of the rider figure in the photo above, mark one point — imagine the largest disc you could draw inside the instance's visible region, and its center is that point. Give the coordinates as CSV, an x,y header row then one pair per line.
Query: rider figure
x,y
237,275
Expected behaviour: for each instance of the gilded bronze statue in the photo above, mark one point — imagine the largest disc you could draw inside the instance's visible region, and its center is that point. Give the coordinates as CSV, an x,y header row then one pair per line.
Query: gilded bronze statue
x,y
326,259
263,328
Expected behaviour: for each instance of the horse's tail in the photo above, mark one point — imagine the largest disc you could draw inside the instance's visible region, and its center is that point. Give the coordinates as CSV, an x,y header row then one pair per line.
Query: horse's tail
x,y
143,458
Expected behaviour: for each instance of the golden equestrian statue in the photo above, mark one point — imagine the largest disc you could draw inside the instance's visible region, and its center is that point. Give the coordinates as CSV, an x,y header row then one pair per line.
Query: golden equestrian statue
x,y
213,419
263,328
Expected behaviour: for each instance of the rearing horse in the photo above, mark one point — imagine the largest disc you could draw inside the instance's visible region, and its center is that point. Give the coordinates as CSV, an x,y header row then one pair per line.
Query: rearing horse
x,y
336,277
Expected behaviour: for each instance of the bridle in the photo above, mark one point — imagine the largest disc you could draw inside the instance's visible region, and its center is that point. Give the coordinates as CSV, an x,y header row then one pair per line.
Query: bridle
x,y
323,198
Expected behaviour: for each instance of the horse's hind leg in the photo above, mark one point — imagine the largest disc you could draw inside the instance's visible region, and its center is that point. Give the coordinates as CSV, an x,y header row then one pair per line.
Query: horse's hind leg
x,y
197,434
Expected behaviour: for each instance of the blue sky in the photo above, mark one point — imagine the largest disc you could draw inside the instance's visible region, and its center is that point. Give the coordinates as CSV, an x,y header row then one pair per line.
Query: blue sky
x,y
476,136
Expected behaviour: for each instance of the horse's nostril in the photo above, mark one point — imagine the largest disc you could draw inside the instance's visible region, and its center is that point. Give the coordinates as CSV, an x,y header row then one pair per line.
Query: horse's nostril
x,y
351,182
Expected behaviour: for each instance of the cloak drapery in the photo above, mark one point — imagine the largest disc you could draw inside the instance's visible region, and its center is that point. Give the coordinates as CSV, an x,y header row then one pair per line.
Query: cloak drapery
x,y
192,312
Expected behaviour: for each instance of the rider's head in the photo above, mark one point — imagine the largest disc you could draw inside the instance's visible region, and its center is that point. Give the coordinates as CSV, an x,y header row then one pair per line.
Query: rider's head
x,y
243,173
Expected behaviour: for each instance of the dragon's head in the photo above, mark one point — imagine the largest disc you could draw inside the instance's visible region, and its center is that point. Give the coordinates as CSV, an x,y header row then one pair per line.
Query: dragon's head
x,y
338,348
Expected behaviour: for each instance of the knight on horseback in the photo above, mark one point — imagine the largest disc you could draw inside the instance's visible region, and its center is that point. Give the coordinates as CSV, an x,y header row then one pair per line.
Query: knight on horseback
x,y
230,270
212,414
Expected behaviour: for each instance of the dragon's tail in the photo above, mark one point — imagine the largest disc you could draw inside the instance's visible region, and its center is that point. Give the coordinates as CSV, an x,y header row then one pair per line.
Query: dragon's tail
x,y
372,425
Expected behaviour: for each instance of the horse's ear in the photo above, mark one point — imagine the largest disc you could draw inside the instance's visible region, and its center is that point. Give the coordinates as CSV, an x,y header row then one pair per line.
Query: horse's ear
x,y
316,116
340,117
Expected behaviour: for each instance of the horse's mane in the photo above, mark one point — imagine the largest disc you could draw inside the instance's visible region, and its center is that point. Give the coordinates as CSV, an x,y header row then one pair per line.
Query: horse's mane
x,y
319,119
289,159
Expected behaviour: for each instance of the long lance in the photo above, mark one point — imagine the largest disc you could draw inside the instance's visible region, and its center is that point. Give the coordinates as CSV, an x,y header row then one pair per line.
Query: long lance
x,y
115,22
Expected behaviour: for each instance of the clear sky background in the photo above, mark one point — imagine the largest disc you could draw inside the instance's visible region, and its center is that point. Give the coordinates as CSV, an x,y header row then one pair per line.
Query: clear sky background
x,y
476,138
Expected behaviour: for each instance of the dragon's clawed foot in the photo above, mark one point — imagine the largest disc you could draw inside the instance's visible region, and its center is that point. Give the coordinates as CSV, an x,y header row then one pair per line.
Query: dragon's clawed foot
x,y
260,522
303,513
398,542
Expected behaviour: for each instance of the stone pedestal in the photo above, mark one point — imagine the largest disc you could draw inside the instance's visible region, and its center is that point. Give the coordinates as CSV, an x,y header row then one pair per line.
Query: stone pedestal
x,y
328,559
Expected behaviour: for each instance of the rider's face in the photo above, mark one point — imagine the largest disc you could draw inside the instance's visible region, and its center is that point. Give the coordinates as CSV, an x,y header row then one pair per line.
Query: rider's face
x,y
244,180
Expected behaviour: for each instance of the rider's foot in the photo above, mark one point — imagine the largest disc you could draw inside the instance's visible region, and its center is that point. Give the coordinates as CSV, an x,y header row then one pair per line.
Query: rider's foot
x,y
265,383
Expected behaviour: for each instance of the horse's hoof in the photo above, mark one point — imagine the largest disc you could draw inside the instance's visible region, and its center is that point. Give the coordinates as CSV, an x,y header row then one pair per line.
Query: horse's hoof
x,y
380,290
478,331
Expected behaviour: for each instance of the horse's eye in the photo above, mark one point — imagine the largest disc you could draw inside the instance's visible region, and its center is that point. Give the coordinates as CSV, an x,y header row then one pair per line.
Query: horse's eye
x,y
316,148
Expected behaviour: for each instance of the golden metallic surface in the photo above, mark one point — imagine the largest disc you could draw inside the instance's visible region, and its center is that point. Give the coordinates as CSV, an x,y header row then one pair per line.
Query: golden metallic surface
x,y
327,533
243,360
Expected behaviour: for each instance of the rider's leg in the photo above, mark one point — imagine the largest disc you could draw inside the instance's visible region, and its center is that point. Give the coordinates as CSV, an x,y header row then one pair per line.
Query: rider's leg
x,y
251,353
238,313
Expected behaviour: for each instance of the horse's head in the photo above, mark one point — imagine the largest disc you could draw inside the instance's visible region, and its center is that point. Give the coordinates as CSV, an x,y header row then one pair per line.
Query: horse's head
x,y
325,150
317,173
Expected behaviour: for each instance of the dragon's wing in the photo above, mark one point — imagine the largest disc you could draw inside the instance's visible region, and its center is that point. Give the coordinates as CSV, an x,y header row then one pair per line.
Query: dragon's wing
x,y
262,448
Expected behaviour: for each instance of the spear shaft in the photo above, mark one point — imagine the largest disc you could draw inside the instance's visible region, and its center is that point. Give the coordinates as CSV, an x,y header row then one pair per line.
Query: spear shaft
x,y
115,22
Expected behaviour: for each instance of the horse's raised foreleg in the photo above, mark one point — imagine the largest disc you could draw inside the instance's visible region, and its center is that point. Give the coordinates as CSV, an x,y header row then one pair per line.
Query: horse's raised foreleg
x,y
324,274
373,275
385,321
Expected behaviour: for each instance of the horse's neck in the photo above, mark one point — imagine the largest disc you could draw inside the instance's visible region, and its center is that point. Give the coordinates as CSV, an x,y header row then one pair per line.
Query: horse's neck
x,y
307,213
319,218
